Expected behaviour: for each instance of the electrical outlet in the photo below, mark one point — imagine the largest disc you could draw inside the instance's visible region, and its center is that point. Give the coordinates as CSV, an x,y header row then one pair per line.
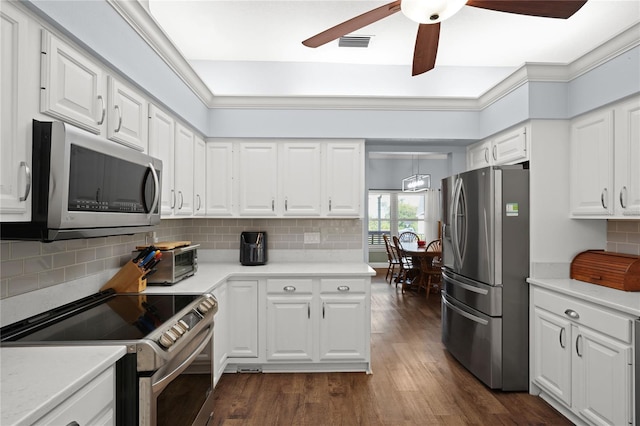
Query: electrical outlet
x,y
312,238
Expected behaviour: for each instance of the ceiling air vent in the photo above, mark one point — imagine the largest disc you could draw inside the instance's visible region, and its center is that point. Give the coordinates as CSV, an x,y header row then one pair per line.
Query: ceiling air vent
x,y
354,41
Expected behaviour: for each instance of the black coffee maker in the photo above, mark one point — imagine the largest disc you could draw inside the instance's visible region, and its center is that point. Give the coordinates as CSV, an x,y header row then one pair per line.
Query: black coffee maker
x,y
253,248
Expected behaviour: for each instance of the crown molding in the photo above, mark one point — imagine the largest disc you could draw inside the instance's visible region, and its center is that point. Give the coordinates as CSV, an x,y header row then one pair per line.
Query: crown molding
x,y
141,20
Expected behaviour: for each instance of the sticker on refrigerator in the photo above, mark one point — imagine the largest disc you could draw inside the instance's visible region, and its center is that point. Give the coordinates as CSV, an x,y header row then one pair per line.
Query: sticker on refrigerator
x,y
512,209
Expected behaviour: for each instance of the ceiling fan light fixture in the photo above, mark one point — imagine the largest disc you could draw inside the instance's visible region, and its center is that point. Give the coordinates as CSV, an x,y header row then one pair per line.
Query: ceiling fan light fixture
x,y
430,11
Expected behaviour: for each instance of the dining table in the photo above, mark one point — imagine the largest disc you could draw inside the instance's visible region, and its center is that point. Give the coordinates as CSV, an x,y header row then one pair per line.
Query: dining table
x,y
422,257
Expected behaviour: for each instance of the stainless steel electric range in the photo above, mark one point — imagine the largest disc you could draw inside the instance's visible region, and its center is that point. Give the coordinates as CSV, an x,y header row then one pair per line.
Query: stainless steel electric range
x,y
163,334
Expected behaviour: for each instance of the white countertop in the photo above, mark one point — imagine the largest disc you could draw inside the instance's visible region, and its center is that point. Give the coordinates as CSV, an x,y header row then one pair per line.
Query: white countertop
x,y
210,274
623,301
35,380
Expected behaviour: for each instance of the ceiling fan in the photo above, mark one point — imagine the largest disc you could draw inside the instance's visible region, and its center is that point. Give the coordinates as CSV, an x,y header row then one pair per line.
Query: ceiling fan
x,y
429,14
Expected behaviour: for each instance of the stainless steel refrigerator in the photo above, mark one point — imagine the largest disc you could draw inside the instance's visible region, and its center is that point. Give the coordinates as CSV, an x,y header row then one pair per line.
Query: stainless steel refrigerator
x,y
485,296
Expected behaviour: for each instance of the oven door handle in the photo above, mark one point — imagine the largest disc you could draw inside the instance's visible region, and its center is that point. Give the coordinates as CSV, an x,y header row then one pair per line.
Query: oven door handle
x,y
163,382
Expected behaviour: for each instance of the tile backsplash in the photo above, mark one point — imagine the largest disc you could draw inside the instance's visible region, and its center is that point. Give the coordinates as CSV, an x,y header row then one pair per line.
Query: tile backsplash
x,y
27,265
623,236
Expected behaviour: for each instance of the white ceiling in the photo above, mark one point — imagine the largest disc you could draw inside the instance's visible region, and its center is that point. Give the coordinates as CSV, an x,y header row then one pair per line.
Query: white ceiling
x,y
253,48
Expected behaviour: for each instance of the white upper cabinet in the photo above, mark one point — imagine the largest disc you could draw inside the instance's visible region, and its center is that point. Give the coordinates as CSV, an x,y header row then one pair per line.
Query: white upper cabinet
x,y
509,147
73,87
15,151
300,182
161,145
184,149
257,178
605,153
592,164
479,155
219,175
344,179
199,176
127,117
627,158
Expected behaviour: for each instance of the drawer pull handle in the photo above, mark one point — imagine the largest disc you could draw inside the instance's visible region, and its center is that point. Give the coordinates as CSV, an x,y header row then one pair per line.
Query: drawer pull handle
x,y
289,288
572,314
343,288
578,340
596,277
562,333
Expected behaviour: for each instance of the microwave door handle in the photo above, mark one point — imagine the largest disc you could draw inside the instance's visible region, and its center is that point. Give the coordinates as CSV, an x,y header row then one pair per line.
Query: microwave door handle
x,y
156,191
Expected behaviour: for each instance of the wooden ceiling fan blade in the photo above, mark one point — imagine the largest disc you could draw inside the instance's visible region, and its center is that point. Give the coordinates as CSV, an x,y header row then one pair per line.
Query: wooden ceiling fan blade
x,y
549,9
353,24
424,55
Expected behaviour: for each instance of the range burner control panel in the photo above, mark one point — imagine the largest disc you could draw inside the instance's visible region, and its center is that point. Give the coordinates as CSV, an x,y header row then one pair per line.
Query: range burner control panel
x,y
205,307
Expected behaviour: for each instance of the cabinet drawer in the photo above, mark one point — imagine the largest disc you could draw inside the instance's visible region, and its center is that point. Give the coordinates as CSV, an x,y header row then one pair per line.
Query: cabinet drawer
x,y
342,285
94,400
290,285
612,324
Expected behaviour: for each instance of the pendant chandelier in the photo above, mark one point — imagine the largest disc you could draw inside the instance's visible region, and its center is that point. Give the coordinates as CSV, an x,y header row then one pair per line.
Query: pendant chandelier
x,y
416,182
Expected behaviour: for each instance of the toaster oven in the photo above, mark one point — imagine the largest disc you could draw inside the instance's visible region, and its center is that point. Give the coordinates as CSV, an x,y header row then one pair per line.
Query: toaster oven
x,y
177,264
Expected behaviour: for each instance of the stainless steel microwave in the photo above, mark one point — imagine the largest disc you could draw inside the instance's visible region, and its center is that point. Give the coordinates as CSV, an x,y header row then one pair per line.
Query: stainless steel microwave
x,y
86,186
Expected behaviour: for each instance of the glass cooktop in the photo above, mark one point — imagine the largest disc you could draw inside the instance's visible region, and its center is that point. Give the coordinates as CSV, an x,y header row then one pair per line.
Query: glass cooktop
x,y
111,318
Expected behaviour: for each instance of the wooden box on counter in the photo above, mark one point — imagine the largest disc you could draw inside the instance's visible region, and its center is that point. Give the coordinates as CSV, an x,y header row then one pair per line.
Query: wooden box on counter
x,y
609,269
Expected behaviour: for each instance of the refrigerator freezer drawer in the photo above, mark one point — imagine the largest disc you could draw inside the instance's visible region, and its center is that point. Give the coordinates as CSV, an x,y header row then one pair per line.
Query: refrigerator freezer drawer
x,y
474,339
479,296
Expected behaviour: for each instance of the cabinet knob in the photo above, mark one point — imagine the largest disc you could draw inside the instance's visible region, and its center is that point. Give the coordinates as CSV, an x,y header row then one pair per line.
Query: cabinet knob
x,y
289,288
572,314
343,288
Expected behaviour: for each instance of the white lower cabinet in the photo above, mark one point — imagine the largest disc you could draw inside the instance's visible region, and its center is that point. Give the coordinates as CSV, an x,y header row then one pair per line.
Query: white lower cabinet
x,y
242,316
582,358
94,404
317,320
344,322
289,320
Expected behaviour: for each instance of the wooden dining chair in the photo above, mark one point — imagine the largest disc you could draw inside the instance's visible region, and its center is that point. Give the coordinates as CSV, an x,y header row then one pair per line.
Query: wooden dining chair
x,y
392,257
408,270
430,267
408,237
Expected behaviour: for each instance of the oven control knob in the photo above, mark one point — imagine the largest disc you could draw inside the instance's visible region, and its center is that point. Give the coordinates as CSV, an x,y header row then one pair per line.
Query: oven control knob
x,y
178,329
204,307
183,324
166,341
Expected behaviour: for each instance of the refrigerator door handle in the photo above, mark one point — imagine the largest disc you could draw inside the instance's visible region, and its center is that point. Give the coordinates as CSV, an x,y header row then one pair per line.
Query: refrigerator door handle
x,y
464,313
459,281
455,241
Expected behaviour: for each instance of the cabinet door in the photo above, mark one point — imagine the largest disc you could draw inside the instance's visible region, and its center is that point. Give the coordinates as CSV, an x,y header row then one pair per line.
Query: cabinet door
x,y
300,179
219,175
257,176
592,164
199,176
161,145
184,148
627,158
343,179
342,327
479,155
127,116
289,328
242,301
510,147
221,333
73,86
602,378
552,354
15,152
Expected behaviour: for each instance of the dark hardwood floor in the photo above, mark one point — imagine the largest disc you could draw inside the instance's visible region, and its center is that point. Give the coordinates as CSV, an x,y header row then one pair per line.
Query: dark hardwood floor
x,y
414,382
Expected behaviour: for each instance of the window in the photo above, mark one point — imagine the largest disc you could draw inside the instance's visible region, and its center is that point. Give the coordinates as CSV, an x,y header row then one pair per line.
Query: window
x,y
392,213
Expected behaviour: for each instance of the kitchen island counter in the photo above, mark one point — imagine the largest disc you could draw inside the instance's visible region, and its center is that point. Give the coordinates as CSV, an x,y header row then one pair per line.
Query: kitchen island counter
x,y
211,274
35,380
